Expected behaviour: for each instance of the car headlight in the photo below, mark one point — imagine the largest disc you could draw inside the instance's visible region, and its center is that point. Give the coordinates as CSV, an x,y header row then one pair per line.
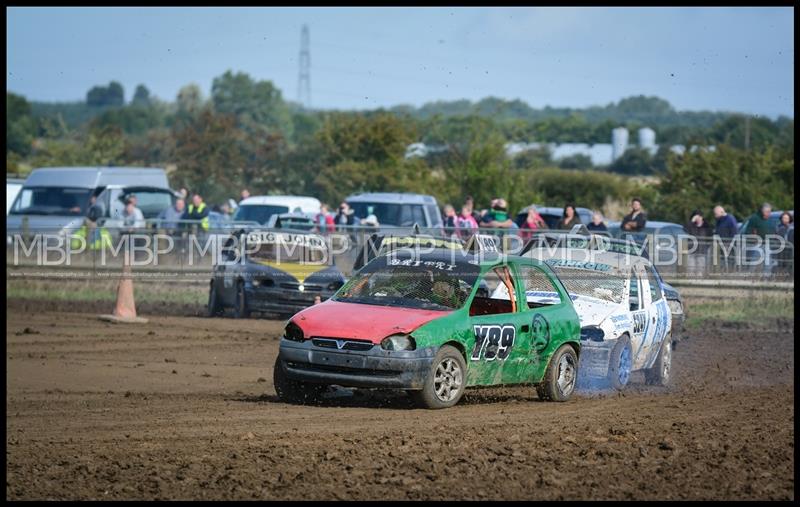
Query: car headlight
x,y
592,333
398,342
293,332
262,282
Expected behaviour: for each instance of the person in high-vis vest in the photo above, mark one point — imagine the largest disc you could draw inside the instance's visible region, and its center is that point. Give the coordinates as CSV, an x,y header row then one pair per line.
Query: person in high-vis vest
x,y
96,237
197,211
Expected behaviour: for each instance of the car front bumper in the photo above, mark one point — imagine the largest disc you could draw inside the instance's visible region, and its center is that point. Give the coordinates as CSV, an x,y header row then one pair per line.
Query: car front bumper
x,y
594,358
376,367
280,300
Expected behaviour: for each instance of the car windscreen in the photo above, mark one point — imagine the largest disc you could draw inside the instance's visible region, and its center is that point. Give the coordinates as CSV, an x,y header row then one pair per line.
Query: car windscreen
x,y
151,202
590,279
258,212
411,283
52,201
279,247
401,215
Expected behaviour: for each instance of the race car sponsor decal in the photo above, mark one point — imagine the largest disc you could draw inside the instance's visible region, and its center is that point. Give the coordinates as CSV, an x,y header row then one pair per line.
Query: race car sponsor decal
x,y
444,266
540,333
493,341
621,322
283,238
548,295
593,266
639,322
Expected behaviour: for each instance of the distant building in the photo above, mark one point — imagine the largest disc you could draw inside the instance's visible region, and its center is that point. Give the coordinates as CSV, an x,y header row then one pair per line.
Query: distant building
x,y
647,140
619,142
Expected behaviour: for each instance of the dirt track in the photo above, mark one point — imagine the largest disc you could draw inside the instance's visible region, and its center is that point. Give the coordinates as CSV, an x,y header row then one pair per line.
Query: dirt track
x,y
183,407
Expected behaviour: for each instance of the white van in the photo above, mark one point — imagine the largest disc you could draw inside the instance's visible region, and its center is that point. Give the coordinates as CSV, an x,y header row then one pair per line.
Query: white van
x,y
260,208
56,199
13,186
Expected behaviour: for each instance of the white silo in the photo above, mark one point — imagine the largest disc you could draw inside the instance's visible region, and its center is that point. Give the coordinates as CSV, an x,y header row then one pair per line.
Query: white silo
x,y
619,142
647,138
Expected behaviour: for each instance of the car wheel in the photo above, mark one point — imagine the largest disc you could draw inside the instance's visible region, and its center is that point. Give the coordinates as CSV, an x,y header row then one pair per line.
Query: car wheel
x,y
214,307
659,374
242,312
294,391
559,379
620,363
445,382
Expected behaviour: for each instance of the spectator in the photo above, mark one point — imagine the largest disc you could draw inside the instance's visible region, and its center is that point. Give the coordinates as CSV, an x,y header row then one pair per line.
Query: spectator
x,y
244,195
132,217
184,194
96,237
371,219
759,221
324,221
786,227
597,224
697,225
466,223
569,219
726,224
497,216
169,217
533,222
346,216
197,211
225,208
450,219
470,202
636,220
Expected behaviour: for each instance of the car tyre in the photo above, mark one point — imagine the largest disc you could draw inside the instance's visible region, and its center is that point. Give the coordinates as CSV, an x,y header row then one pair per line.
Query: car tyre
x,y
659,374
242,312
445,382
294,391
561,375
620,363
215,309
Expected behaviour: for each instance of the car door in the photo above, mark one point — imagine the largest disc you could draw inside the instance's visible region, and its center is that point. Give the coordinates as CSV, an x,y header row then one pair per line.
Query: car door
x,y
499,328
658,314
542,310
638,311
228,268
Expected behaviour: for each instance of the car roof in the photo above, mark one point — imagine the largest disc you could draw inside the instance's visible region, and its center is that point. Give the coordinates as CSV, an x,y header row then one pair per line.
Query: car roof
x,y
97,176
553,210
482,259
621,264
290,201
391,198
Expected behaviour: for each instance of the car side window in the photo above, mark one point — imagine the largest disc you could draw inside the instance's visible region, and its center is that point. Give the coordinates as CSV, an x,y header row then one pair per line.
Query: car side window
x,y
493,295
539,289
635,297
655,287
418,216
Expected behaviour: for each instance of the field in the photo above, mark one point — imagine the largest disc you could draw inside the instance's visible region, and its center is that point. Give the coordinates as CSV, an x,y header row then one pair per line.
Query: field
x,y
183,408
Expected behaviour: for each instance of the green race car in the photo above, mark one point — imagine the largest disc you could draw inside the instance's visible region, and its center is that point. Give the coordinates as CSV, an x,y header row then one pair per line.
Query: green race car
x,y
433,324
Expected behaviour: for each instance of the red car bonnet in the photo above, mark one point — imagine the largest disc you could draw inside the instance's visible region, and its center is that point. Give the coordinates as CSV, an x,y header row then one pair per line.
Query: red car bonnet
x,y
334,319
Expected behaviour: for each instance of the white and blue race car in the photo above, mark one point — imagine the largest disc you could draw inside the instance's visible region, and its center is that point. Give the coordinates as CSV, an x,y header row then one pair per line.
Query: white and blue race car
x,y
625,318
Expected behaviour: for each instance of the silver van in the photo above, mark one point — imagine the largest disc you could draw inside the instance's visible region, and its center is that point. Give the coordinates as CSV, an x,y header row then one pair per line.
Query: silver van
x,y
395,209
56,199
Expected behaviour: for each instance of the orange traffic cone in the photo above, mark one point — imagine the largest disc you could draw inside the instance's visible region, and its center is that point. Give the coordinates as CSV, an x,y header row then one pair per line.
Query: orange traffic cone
x,y
125,308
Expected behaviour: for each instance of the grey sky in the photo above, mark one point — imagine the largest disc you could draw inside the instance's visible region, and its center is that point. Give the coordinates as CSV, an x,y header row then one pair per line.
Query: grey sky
x,y
735,59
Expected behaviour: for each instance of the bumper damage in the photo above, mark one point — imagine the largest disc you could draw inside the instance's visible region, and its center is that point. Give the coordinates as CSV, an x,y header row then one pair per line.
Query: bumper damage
x,y
376,368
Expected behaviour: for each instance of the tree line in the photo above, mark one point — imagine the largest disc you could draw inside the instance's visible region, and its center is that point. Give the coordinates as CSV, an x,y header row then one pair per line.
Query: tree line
x,y
245,134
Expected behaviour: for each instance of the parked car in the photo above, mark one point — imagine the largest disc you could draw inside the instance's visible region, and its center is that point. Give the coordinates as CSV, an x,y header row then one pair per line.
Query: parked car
x,y
261,208
625,319
13,186
273,272
552,215
294,221
394,209
434,324
55,200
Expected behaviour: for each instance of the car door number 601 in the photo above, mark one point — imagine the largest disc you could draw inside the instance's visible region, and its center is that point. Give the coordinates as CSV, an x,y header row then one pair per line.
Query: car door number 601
x,y
493,341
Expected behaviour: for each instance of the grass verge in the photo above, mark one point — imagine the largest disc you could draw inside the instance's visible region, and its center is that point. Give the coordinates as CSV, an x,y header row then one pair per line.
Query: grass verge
x,y
745,309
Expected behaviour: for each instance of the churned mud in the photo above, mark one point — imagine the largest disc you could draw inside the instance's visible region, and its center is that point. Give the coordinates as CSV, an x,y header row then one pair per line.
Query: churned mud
x,y
184,408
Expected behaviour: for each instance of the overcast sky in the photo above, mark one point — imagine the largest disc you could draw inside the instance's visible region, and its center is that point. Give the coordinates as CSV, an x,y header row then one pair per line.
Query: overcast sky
x,y
732,59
